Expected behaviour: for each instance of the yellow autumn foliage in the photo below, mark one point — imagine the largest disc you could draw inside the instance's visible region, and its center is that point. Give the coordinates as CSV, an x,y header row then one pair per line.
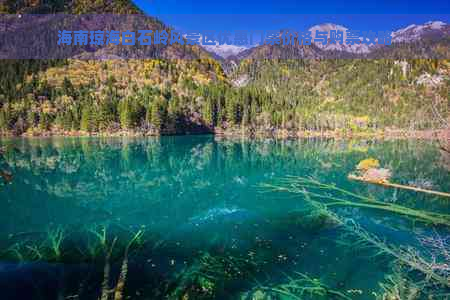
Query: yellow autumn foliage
x,y
368,163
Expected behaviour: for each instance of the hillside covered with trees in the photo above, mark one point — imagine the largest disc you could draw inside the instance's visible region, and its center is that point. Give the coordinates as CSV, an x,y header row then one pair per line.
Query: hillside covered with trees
x,y
177,96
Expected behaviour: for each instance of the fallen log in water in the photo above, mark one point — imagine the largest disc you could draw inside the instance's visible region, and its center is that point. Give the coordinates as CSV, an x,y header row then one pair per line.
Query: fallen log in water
x,y
400,186
310,188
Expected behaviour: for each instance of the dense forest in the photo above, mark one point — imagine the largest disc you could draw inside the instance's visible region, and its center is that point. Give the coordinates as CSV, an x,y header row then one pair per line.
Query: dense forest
x,y
186,96
172,96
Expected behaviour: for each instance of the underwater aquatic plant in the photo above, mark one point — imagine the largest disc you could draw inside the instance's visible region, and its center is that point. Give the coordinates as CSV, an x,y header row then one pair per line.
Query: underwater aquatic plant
x,y
409,257
310,219
205,277
298,288
397,287
32,250
100,233
36,250
17,250
438,248
405,256
98,246
26,251
315,189
55,238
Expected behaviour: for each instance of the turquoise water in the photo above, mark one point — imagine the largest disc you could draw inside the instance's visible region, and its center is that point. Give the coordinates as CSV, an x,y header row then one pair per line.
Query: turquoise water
x,y
207,227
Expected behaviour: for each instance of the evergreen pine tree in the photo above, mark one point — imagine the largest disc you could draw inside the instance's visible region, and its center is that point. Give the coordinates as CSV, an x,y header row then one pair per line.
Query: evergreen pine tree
x,y
125,114
208,111
3,120
31,118
44,121
155,118
67,120
85,123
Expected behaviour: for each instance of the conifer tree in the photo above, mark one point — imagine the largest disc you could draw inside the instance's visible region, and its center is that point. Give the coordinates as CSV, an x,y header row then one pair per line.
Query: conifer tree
x,y
3,120
31,118
125,114
67,120
156,114
44,121
85,123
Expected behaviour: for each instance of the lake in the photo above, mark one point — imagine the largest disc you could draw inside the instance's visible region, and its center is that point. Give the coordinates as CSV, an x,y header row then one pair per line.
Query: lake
x,y
199,217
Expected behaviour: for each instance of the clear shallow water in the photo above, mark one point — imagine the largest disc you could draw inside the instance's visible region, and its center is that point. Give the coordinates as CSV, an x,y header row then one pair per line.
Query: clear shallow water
x,y
209,230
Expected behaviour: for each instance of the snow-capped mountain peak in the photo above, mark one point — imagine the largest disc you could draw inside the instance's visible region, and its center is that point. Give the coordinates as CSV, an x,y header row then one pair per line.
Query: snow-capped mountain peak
x,y
415,32
435,24
224,51
408,34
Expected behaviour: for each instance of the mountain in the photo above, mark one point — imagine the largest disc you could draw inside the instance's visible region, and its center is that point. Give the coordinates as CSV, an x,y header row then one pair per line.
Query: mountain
x,y
356,48
263,88
376,87
430,40
69,7
430,31
80,93
224,51
415,32
435,29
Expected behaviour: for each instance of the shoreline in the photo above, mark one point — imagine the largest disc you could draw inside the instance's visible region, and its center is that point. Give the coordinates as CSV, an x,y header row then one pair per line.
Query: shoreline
x,y
430,134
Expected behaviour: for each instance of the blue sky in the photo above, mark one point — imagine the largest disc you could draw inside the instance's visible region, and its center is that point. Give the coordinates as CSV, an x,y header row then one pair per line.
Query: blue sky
x,y
269,15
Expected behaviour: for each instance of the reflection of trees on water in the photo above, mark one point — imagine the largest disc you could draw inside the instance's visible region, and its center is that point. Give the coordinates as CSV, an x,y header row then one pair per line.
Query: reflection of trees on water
x,y
140,160
165,182
190,174
445,159
445,148
5,176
